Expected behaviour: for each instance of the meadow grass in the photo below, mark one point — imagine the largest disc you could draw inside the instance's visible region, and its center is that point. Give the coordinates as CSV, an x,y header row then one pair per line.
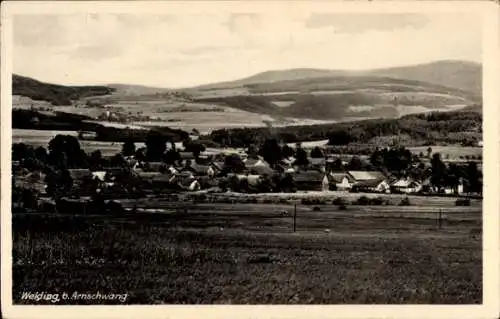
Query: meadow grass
x,y
211,258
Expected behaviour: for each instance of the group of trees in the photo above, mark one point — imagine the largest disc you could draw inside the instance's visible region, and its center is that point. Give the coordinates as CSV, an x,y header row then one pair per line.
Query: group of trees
x,y
420,128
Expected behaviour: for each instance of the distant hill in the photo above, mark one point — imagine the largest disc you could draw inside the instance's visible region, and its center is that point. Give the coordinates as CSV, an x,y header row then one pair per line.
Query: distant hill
x,y
53,93
337,97
308,93
131,90
461,75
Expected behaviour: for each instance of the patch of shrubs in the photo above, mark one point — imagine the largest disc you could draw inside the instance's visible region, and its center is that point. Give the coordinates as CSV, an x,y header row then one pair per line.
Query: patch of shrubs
x,y
316,209
313,201
339,201
405,202
366,201
462,202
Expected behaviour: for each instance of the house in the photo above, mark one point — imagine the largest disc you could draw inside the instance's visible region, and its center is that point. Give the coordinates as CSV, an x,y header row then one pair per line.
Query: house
x,y
147,175
359,176
455,189
218,166
372,186
341,181
317,163
161,181
154,166
255,162
188,183
198,170
186,156
78,174
252,179
261,170
312,181
406,186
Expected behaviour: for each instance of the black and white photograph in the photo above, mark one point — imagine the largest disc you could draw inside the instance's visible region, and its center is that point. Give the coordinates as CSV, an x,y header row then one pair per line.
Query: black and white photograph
x,y
246,156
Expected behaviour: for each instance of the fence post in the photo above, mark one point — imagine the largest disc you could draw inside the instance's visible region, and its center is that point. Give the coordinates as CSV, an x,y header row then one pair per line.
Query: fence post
x,y
439,219
294,217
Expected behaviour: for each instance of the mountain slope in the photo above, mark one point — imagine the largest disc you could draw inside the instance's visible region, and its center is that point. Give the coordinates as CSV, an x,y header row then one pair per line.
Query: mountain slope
x,y
461,75
53,93
335,94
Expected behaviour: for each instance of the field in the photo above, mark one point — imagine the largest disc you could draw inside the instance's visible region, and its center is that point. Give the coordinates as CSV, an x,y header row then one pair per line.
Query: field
x,y
42,138
249,254
454,152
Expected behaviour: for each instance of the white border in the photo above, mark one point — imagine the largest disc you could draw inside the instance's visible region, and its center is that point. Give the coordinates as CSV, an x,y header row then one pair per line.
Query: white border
x,y
491,72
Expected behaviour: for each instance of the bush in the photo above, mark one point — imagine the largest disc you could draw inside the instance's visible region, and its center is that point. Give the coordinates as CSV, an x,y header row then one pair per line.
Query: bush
x,y
339,201
462,202
316,209
363,200
305,201
405,202
377,201
342,207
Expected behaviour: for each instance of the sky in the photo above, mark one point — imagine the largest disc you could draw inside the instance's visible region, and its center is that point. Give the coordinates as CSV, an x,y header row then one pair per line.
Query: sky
x,y
174,50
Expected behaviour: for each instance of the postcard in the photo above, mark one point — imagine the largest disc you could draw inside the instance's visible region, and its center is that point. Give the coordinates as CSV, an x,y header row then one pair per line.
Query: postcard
x,y
277,159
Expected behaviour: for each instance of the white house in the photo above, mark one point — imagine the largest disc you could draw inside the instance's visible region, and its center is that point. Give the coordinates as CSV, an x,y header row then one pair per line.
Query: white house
x,y
406,185
342,181
373,185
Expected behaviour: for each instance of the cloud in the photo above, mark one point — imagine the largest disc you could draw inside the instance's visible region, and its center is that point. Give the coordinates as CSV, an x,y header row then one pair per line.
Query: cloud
x,y
361,22
180,50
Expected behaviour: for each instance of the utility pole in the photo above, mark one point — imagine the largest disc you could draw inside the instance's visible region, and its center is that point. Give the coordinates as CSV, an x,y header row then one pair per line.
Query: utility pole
x,y
294,217
439,219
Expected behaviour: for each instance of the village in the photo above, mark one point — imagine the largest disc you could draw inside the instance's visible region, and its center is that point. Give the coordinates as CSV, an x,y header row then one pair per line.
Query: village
x,y
193,169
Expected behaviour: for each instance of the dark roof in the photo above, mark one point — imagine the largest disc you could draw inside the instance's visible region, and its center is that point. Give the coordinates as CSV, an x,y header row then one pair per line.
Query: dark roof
x,y
316,161
338,177
197,168
261,170
162,178
369,183
186,155
185,181
218,164
154,166
366,175
309,176
147,175
79,173
251,161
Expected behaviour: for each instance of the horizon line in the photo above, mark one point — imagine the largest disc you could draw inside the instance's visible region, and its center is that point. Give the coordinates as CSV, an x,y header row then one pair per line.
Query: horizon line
x,y
248,76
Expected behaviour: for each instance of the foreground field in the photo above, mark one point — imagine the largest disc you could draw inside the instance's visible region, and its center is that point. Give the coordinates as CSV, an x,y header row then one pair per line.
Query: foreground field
x,y
249,254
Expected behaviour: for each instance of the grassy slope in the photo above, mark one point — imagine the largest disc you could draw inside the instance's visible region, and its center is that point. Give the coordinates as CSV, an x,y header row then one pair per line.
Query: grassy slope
x,y
190,260
461,75
56,94
444,83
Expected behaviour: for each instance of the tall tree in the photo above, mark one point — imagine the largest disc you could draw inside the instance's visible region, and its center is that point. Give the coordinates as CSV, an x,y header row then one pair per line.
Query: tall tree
x,y
155,146
438,171
96,160
429,152
271,151
301,158
65,151
473,176
128,148
287,151
194,147
233,164
171,156
317,152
